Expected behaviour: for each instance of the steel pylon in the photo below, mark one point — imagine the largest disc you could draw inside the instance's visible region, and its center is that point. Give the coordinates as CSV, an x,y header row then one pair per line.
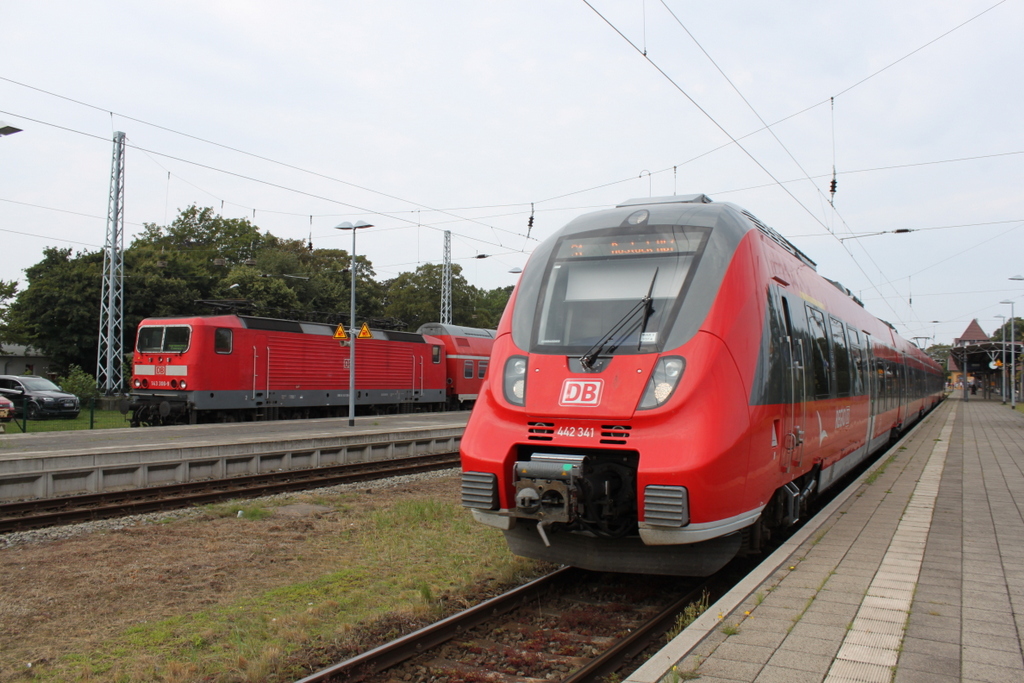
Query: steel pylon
x,y
111,340
446,280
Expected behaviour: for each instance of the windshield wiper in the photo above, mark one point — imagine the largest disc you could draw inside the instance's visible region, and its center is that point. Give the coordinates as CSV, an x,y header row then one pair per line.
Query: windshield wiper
x,y
648,309
588,358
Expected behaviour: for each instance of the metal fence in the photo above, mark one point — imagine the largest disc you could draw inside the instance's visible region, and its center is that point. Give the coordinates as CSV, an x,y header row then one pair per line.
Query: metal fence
x,y
92,416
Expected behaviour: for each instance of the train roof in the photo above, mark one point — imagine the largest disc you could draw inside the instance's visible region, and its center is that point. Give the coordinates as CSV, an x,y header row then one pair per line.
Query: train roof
x,y
441,329
772,233
282,325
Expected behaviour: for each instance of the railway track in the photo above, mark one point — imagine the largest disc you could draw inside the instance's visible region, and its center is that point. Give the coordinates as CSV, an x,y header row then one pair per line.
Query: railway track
x,y
553,624
38,514
579,625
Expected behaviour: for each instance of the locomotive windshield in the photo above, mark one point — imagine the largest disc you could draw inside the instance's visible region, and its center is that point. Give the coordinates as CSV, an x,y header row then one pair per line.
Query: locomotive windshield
x,y
595,281
160,339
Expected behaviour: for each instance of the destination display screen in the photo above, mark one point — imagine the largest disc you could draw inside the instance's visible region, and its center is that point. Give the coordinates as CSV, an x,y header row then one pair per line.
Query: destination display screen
x,y
606,246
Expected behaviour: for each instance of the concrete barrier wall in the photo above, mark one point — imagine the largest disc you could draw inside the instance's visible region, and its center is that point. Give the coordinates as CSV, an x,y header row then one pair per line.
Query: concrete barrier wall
x,y
75,473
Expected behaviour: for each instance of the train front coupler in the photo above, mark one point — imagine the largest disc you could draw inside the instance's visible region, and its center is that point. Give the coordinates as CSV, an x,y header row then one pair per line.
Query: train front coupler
x,y
580,492
548,489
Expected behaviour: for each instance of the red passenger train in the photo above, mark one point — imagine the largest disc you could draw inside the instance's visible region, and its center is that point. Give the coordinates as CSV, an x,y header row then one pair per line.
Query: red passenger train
x,y
672,381
231,368
468,352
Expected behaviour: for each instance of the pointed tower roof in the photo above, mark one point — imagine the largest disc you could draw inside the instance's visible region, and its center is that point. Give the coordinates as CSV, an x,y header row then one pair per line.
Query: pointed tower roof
x,y
972,335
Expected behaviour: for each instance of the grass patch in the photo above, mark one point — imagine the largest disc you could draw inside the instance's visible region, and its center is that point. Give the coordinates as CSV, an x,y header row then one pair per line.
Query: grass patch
x,y
688,616
102,419
873,477
401,559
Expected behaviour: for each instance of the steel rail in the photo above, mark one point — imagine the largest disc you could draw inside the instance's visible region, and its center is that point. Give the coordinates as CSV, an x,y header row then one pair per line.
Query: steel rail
x,y
408,646
36,514
639,638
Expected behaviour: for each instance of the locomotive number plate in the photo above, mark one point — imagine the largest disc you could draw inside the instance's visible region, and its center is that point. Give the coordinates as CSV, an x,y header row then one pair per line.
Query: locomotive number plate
x,y
576,431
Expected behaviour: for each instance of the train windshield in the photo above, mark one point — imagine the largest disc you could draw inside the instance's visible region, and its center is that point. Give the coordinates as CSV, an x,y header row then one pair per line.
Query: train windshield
x,y
595,289
161,339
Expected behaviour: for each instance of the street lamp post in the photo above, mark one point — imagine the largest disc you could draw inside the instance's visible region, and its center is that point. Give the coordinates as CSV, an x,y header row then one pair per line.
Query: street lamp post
x,y
1013,337
1002,379
352,328
1013,355
8,129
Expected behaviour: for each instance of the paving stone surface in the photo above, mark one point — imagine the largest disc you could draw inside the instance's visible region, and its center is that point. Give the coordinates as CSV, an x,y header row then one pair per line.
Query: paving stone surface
x,y
919,576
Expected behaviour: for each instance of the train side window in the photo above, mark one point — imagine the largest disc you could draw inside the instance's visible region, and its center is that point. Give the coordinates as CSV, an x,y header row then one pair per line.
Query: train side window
x,y
467,369
222,339
481,369
841,354
435,354
856,362
770,386
820,357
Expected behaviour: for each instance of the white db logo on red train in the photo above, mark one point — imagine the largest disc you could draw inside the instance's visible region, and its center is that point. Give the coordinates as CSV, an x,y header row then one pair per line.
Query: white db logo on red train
x,y
581,392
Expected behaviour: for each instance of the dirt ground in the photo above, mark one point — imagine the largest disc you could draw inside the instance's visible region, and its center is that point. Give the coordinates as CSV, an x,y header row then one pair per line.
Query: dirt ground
x,y
70,596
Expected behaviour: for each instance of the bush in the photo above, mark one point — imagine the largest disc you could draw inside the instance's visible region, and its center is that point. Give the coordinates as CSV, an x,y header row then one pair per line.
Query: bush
x,y
81,384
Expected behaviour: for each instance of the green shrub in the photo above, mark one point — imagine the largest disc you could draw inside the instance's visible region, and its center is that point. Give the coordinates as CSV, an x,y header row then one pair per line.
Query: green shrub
x,y
81,384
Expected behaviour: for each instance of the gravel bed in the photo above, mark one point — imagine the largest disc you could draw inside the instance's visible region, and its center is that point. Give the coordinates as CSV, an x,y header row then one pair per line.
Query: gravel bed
x,y
71,530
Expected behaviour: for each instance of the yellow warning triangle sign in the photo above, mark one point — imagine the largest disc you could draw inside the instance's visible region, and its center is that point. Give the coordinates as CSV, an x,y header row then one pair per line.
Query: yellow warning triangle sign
x,y
340,333
364,332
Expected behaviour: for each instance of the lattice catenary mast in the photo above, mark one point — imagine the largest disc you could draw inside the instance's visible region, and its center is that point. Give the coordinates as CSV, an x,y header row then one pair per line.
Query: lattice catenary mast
x,y
446,280
108,356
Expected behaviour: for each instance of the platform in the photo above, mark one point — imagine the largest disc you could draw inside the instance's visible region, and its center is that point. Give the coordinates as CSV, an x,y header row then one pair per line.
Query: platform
x,y
69,463
915,574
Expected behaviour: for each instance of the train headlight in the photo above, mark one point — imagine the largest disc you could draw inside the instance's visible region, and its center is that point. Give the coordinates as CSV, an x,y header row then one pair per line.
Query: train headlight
x,y
183,385
137,383
663,382
515,380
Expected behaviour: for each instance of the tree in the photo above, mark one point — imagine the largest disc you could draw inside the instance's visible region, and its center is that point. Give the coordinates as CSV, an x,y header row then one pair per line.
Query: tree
x,y
268,294
59,311
171,270
415,298
1004,332
321,278
207,236
161,284
8,290
939,352
490,305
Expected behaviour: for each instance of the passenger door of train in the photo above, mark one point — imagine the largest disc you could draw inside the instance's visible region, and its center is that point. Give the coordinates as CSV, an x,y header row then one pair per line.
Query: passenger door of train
x,y
871,387
260,369
795,409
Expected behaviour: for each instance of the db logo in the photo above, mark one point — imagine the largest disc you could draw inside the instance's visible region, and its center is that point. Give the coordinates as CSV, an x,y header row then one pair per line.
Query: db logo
x,y
581,392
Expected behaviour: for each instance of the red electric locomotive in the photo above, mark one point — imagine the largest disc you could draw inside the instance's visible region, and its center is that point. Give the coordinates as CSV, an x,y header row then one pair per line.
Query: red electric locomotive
x,y
671,381
231,368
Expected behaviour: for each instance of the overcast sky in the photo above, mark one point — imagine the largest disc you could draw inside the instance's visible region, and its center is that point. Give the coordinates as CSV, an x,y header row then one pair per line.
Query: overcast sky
x,y
423,117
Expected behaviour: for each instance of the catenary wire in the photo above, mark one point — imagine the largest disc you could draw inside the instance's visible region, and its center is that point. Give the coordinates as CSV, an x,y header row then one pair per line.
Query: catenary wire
x,y
268,183
243,152
785,118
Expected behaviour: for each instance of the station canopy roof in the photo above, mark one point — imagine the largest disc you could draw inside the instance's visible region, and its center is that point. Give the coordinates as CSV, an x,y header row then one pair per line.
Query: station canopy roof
x,y
985,356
